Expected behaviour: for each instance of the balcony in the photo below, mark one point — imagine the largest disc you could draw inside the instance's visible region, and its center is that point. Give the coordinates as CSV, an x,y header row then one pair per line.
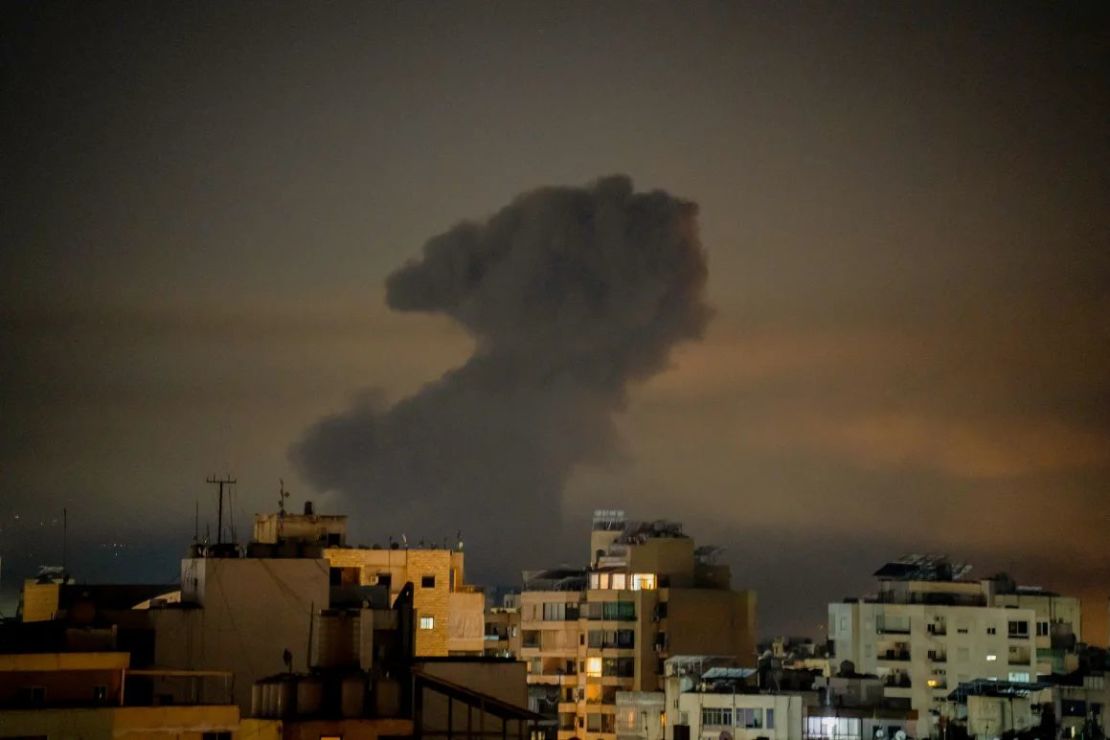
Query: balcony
x,y
892,626
897,681
897,655
938,656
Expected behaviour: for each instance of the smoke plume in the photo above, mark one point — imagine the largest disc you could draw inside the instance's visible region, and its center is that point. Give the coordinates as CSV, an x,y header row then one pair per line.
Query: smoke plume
x,y
571,294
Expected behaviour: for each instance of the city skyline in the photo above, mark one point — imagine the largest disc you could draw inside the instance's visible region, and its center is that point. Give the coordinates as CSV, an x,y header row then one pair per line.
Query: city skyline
x,y
902,210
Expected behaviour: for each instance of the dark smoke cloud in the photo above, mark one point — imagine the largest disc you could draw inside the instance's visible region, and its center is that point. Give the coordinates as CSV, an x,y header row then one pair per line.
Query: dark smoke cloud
x,y
570,294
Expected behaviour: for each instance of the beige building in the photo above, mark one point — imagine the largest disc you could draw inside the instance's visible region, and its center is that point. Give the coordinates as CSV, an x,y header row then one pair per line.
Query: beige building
x,y
89,695
242,614
503,631
1058,623
648,593
930,629
450,614
319,529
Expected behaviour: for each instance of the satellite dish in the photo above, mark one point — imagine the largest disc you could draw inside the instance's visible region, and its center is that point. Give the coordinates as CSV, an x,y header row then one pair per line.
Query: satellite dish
x,y
900,735
880,733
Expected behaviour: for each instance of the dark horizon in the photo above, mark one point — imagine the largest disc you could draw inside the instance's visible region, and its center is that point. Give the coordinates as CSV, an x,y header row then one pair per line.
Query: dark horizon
x,y
902,210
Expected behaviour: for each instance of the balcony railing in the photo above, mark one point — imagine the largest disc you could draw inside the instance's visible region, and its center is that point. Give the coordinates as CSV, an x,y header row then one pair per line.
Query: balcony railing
x,y
895,655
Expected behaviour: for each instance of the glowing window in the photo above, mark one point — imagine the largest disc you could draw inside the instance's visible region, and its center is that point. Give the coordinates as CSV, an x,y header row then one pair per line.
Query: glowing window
x,y
593,667
991,658
643,581
620,581
427,623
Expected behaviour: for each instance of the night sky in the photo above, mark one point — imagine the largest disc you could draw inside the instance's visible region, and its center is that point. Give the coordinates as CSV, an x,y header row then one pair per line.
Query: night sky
x,y
904,209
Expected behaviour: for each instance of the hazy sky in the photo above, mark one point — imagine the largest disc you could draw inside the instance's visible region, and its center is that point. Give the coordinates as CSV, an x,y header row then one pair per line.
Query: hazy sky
x,y
904,207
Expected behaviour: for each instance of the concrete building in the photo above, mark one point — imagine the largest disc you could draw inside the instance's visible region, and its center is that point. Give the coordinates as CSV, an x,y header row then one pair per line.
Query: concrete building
x,y
641,715
242,614
326,530
1058,628
450,614
648,593
96,695
502,636
710,698
985,709
929,629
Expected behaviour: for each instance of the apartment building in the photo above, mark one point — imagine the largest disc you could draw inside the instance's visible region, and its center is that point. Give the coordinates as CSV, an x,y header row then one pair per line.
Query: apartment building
x,y
74,694
449,612
930,628
647,593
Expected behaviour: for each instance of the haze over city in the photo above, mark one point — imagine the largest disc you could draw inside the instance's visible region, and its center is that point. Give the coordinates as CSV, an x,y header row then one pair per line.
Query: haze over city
x,y
234,241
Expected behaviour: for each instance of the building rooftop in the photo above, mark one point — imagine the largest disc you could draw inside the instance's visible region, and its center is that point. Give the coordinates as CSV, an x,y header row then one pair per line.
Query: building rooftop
x,y
989,687
922,568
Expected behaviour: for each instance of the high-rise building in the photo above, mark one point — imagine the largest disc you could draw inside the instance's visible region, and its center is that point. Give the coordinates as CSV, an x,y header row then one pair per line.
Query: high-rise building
x,y
930,628
647,593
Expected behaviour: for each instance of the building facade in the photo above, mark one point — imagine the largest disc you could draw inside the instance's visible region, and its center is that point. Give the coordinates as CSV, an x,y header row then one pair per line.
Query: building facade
x,y
648,593
929,629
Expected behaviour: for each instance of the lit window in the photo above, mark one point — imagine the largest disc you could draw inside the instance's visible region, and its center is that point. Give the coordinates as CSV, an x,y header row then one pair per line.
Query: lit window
x,y
991,658
603,580
427,623
620,581
643,582
593,667
1019,677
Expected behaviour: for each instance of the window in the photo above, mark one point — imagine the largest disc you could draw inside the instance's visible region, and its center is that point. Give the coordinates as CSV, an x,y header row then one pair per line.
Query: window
x,y
554,611
620,581
427,581
716,716
1019,676
1042,629
530,639
385,579
842,728
621,667
992,631
618,610
643,581
749,718
770,719
427,623
1018,629
991,657
593,667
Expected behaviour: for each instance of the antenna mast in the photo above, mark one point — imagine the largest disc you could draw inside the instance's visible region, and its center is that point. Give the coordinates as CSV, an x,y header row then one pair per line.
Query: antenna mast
x,y
221,482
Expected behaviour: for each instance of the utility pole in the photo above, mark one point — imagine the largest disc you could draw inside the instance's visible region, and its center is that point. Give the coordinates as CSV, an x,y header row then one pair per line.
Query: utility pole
x,y
221,482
